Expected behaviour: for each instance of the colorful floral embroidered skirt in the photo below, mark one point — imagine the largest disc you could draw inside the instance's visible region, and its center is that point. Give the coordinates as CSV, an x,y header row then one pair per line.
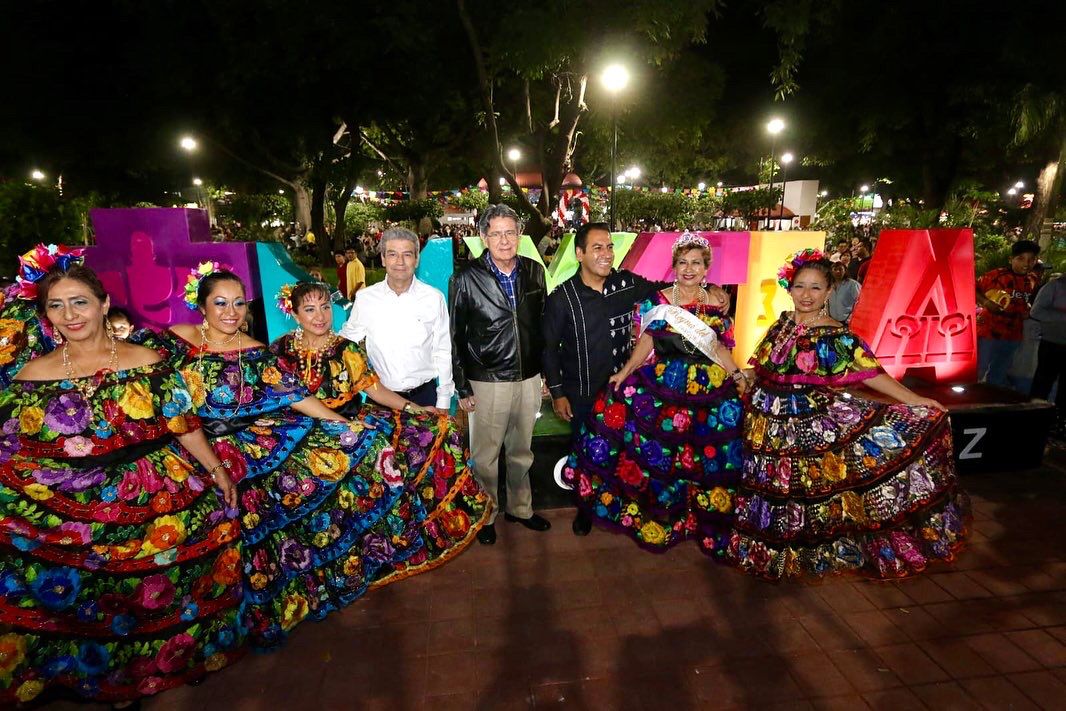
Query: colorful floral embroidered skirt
x,y
660,458
120,569
453,505
328,513
834,482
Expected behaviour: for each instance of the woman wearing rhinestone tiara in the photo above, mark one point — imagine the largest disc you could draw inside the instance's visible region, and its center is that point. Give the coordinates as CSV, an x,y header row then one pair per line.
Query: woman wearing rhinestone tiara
x,y
120,569
834,482
660,456
336,371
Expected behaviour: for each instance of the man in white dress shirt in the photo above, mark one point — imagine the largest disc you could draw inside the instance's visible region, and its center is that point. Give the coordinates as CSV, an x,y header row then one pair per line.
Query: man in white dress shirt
x,y
405,324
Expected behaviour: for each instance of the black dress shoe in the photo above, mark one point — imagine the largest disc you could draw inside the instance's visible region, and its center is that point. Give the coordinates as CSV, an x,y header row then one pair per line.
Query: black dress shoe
x,y
533,523
582,524
487,535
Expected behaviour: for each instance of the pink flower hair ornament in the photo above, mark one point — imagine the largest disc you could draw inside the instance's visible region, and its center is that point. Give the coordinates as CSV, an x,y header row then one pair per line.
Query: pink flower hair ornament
x,y
794,262
192,282
33,265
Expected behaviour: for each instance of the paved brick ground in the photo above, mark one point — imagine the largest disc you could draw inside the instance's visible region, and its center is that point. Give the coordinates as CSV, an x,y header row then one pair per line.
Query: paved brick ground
x,y
544,620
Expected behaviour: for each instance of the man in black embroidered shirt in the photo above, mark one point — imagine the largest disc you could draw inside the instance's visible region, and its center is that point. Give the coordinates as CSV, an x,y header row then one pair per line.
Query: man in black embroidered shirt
x,y
588,329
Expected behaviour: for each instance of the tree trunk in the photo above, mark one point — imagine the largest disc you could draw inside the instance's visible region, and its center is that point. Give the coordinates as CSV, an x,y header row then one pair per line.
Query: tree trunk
x,y
301,205
493,178
1045,201
418,189
340,229
318,213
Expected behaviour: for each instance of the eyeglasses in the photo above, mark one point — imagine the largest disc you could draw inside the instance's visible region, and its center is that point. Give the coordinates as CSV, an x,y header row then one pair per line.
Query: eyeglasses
x,y
509,234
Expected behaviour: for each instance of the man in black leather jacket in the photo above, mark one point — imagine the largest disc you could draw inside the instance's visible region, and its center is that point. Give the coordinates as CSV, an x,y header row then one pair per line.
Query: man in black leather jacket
x,y
496,303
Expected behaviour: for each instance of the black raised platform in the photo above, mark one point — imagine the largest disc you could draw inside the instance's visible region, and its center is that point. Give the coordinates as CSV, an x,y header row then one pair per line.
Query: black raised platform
x,y
994,430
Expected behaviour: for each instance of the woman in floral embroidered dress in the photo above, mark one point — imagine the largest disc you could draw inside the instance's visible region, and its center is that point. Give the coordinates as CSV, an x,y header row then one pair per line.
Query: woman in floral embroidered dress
x,y
336,371
325,506
660,456
119,563
834,482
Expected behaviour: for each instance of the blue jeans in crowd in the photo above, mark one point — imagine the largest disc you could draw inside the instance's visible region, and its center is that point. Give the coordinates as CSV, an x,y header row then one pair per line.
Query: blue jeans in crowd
x,y
994,357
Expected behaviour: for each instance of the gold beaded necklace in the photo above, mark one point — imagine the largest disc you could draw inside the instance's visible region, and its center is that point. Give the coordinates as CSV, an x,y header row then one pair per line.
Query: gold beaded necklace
x,y
205,342
88,385
311,358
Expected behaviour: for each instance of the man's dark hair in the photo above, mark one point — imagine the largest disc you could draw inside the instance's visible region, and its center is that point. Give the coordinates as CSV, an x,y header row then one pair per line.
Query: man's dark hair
x,y
1024,246
581,237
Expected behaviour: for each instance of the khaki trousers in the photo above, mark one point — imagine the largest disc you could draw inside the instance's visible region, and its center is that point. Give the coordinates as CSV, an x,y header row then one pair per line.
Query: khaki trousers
x,y
504,414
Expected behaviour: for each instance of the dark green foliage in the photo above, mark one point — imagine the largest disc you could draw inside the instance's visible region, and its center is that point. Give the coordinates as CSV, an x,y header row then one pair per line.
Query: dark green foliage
x,y
36,213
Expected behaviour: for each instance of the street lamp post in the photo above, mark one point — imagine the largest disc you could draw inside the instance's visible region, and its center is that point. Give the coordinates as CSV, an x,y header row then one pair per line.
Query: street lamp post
x,y
786,158
615,78
774,126
513,155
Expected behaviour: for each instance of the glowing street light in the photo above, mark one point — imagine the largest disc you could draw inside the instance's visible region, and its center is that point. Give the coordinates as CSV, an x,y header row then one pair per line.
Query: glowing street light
x,y
620,180
664,189
615,78
37,175
1012,191
513,155
633,173
824,193
701,186
787,158
775,126
188,143
864,189
1019,185
719,183
197,182
358,189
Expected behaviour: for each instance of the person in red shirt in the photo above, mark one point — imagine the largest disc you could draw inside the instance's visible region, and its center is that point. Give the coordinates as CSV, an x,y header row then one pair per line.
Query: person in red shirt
x,y
342,272
1005,295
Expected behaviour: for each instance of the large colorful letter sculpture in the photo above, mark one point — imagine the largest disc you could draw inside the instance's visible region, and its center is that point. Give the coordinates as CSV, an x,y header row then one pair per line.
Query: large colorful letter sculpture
x,y
760,300
435,264
143,256
916,309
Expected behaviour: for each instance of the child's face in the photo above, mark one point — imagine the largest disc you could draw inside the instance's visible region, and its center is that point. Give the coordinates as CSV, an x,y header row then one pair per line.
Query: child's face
x,y
120,326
